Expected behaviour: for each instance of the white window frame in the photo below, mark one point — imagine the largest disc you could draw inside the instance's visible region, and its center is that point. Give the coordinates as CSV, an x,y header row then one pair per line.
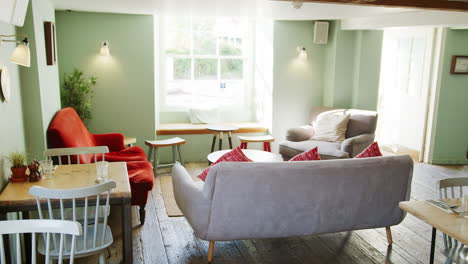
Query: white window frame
x,y
248,68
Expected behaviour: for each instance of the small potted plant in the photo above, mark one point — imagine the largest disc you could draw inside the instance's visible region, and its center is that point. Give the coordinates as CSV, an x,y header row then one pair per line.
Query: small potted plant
x,y
18,166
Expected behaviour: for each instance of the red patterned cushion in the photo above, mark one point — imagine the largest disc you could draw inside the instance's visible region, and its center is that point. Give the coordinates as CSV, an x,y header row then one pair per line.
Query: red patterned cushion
x,y
309,155
236,155
371,151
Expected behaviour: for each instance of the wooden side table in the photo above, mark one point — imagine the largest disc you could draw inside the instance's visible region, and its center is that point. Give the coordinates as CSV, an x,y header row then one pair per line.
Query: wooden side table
x,y
154,145
219,132
266,140
129,141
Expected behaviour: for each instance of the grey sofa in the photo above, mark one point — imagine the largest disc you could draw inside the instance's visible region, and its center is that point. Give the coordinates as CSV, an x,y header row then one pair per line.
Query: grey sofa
x,y
247,200
359,135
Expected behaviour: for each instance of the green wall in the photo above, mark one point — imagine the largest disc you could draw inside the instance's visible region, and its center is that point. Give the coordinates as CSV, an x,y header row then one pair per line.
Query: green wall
x,y
352,68
11,113
451,133
124,98
39,83
297,84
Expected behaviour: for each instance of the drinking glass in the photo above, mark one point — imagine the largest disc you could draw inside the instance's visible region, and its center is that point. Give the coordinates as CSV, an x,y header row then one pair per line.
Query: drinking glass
x,y
102,168
46,167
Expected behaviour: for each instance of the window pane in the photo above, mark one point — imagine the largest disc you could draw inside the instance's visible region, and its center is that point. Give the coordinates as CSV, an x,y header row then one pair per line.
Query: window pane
x,y
232,69
206,69
204,43
230,46
204,24
182,69
177,43
179,93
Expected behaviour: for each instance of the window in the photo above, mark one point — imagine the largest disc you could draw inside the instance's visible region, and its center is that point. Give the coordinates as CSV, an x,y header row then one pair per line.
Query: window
x,y
205,61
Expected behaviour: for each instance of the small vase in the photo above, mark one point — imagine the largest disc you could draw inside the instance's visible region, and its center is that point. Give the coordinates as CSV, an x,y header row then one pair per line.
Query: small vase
x,y
19,174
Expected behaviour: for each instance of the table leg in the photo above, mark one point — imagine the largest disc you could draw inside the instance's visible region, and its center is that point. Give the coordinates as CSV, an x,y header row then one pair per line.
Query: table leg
x,y
127,231
214,142
230,139
174,154
433,241
220,140
27,240
6,240
155,161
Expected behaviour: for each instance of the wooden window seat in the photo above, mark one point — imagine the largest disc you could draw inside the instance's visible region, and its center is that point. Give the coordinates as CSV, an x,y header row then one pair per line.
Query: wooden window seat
x,y
189,129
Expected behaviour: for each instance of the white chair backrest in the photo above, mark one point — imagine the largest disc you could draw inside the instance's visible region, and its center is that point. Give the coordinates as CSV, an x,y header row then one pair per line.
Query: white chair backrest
x,y
48,227
81,195
71,155
452,188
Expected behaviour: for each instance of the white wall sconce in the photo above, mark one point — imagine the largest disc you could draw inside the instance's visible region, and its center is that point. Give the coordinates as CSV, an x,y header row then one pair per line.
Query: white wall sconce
x,y
105,49
302,52
21,55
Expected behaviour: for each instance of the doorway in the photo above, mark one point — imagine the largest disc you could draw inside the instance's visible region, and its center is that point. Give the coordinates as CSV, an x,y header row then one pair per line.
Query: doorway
x,y
404,90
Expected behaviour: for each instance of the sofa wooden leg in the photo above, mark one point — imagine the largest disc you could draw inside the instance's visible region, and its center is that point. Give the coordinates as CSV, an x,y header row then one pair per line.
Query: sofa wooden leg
x,y
142,214
389,235
210,252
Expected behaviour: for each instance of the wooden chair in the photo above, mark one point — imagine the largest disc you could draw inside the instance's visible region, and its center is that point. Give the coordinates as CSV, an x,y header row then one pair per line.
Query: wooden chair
x,y
97,236
154,145
452,188
47,227
72,155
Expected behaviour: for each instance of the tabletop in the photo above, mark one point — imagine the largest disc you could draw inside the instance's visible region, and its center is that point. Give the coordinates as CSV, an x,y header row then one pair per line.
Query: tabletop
x,y
451,224
254,155
222,127
68,177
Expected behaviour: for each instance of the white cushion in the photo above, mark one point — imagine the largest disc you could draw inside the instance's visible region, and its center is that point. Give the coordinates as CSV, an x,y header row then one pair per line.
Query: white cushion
x,y
331,126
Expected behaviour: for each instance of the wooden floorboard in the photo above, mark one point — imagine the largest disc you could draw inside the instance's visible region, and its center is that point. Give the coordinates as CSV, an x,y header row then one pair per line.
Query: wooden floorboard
x,y
170,240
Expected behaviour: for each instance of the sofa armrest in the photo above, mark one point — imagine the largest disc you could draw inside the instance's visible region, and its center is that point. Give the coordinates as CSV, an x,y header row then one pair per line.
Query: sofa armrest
x,y
357,144
300,133
115,141
188,194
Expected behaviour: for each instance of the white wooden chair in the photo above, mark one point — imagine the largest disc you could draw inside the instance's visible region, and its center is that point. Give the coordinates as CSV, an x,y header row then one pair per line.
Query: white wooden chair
x,y
97,235
73,154
48,228
454,188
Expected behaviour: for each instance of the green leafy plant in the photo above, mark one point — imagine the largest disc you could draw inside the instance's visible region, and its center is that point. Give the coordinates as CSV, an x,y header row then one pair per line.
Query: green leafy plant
x,y
17,159
77,92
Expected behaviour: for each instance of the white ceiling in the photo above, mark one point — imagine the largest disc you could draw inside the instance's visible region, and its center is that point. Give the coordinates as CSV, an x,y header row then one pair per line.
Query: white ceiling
x,y
262,8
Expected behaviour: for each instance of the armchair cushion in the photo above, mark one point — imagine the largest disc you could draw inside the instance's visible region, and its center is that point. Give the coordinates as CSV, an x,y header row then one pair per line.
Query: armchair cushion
x,y
115,141
300,133
326,150
134,153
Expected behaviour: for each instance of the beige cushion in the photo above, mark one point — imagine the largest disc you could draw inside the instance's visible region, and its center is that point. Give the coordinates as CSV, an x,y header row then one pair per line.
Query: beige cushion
x,y
331,126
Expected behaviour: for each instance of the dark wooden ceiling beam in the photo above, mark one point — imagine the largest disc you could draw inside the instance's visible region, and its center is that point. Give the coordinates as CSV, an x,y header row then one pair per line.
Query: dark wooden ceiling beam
x,y
444,5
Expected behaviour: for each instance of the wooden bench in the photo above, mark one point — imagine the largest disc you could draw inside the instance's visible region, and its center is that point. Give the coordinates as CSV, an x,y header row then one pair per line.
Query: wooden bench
x,y
189,129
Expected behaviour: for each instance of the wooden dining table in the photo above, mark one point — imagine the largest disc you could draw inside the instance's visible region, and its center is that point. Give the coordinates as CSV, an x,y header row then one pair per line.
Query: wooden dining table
x,y
451,224
15,197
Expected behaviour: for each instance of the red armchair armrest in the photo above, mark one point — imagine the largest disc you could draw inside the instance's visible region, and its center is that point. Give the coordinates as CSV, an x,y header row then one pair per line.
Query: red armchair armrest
x,y
115,141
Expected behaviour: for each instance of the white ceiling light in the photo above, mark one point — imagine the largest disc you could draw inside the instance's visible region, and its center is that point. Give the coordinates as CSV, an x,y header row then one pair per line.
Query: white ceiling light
x,y
105,49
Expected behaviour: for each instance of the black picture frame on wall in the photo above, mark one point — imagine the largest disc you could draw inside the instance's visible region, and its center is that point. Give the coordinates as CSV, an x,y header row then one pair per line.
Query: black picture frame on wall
x,y
459,65
49,33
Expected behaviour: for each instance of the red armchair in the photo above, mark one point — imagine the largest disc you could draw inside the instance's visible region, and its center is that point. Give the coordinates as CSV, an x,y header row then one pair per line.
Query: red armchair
x,y
67,130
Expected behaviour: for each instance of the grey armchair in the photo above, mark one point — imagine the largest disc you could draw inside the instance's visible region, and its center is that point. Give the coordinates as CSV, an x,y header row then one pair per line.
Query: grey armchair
x,y
359,135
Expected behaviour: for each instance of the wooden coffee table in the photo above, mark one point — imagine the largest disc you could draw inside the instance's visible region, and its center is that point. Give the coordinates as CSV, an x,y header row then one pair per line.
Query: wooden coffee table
x,y
254,155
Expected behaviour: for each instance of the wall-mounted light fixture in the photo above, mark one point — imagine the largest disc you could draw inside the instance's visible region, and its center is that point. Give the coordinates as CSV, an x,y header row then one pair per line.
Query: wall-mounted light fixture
x,y
21,55
296,4
302,52
105,49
